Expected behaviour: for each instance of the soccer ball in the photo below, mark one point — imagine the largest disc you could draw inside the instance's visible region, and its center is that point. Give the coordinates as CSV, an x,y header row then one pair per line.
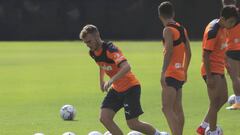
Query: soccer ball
x,y
38,134
232,99
134,133
67,112
94,133
219,131
68,133
107,133
164,133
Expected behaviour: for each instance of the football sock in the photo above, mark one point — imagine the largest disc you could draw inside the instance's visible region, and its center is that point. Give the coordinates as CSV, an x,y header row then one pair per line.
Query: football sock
x,y
237,99
204,124
213,132
157,132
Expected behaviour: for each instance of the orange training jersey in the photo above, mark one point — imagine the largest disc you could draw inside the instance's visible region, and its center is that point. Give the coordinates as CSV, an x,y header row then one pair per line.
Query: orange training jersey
x,y
214,40
109,57
176,67
233,37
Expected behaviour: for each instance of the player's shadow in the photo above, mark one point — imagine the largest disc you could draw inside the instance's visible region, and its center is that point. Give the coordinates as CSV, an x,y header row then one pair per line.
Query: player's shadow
x,y
71,120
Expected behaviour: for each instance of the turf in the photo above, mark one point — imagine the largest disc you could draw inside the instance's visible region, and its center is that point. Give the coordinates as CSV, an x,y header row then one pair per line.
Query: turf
x,y
37,78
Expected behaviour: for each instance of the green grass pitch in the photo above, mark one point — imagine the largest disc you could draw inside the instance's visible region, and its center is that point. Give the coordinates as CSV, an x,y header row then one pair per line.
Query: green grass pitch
x,y
37,78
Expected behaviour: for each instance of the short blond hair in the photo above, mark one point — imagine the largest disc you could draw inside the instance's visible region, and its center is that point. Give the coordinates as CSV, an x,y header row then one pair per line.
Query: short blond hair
x,y
88,29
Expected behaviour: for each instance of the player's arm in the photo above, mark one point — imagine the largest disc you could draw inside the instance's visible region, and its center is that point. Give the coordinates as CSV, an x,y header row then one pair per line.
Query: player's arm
x,y
188,53
206,61
208,47
101,78
167,35
124,68
116,55
168,44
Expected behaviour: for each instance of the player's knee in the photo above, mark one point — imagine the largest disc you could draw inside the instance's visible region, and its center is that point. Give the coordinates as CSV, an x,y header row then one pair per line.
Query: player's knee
x,y
133,125
179,109
215,103
105,119
224,100
166,109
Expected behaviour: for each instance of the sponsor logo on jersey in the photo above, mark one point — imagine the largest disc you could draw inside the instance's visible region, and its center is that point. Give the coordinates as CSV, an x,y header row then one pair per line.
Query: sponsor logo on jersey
x,y
107,68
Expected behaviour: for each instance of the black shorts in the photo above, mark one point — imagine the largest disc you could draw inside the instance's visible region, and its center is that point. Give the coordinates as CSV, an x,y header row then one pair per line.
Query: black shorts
x,y
235,55
129,99
205,76
172,82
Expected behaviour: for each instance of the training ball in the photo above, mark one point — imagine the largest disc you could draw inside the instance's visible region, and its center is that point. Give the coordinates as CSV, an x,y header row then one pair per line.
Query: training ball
x,y
134,133
68,133
219,131
107,133
95,133
67,112
164,133
231,99
38,134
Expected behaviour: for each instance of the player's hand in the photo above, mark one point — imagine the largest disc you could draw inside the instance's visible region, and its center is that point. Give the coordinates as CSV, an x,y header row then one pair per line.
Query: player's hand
x,y
186,77
163,81
107,85
210,82
102,86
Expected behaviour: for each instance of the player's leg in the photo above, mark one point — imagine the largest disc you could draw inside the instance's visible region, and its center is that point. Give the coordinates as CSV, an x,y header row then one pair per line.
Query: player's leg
x,y
133,110
223,89
205,123
143,127
234,71
106,118
179,110
168,99
214,94
110,105
217,101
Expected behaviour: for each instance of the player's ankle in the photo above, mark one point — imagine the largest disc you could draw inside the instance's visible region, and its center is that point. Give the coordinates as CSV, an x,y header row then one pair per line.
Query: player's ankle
x,y
237,99
204,124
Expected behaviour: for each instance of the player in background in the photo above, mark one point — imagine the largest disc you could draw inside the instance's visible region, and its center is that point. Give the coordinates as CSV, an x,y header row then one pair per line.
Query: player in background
x,y
213,64
231,73
123,89
233,56
177,55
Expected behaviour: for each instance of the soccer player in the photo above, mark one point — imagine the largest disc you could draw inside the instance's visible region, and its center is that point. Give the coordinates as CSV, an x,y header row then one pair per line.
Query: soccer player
x,y
213,63
233,56
123,89
177,55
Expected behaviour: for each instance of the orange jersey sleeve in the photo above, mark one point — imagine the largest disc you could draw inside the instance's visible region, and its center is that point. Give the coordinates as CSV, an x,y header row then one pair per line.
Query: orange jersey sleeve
x,y
116,56
210,37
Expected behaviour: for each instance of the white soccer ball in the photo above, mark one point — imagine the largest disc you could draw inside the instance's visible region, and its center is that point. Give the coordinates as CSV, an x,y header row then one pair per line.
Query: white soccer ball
x,y
38,134
219,131
95,133
164,133
67,112
134,133
232,99
107,133
68,133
